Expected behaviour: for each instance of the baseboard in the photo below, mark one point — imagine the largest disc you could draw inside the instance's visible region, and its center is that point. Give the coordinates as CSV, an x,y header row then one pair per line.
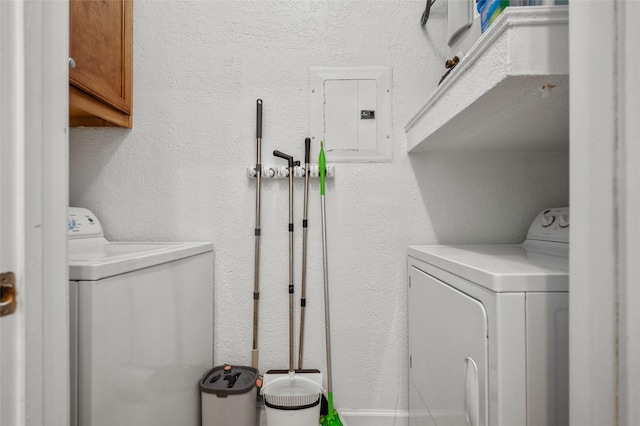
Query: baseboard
x,y
375,418
367,418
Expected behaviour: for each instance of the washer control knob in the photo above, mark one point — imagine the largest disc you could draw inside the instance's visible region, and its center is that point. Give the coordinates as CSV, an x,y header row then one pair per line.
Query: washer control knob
x,y
547,219
564,220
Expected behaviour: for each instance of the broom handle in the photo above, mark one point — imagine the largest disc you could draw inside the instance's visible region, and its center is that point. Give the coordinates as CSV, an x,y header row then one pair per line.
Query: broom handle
x,y
322,169
326,296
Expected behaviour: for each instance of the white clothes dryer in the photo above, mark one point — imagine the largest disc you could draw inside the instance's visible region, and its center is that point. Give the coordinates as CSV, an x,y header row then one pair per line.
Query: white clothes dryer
x,y
488,330
141,318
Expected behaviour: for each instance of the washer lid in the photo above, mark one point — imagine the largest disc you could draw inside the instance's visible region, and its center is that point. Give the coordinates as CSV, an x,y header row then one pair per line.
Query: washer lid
x,y
500,268
96,258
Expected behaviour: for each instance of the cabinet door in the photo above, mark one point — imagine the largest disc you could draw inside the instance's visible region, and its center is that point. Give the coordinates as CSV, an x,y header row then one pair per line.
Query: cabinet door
x,y
100,42
448,345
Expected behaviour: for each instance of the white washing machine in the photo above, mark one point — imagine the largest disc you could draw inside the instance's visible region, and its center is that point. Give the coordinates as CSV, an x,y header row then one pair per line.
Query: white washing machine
x,y
489,330
141,318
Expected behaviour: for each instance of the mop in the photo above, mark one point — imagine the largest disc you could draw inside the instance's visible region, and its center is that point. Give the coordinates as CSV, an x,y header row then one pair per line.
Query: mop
x,y
332,418
292,398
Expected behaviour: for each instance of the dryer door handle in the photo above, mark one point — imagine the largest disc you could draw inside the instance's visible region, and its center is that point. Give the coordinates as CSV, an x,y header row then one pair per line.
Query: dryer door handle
x,y
471,392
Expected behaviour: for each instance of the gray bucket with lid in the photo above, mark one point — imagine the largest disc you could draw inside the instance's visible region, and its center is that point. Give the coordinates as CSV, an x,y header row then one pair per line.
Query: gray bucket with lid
x,y
228,396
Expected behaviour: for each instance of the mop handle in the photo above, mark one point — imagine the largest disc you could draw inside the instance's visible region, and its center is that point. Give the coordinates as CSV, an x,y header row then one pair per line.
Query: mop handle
x,y
291,165
256,272
303,283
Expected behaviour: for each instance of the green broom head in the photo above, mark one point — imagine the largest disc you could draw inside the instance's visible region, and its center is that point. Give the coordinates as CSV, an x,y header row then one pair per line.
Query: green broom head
x,y
322,167
332,418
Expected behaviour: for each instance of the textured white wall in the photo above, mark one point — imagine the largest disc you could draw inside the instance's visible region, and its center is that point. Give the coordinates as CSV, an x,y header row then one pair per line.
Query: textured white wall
x,y
180,175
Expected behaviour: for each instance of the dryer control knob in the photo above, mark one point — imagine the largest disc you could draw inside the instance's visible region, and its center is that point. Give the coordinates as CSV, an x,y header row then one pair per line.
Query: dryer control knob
x,y
547,219
564,221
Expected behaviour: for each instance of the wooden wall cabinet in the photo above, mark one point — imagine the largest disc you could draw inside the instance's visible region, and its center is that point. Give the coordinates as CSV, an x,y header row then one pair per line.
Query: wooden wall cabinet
x,y
100,45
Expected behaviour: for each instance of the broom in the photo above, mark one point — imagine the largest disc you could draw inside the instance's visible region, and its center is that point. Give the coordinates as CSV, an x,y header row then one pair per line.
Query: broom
x,y
332,418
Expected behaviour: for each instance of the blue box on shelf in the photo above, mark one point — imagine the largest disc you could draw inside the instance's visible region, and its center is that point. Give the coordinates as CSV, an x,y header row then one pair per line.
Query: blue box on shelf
x,y
489,10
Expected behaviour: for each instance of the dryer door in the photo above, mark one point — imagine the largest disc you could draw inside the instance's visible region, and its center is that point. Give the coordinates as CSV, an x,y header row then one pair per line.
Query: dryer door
x,y
448,345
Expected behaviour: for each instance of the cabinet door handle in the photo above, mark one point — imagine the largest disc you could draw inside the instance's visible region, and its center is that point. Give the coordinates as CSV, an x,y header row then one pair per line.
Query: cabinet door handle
x,y
471,392
7,293
72,62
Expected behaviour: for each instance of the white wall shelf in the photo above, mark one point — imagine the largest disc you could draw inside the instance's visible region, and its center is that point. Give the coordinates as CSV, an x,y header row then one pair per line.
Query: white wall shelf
x,y
511,91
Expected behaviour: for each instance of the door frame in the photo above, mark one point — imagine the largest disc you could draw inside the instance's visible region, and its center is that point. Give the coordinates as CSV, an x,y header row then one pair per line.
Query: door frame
x,y
34,355
605,203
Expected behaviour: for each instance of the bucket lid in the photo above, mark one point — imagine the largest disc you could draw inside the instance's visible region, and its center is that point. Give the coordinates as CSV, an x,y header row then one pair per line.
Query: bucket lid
x,y
227,379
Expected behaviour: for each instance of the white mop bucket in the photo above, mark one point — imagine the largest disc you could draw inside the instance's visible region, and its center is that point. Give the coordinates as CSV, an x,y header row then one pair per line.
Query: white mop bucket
x,y
292,400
